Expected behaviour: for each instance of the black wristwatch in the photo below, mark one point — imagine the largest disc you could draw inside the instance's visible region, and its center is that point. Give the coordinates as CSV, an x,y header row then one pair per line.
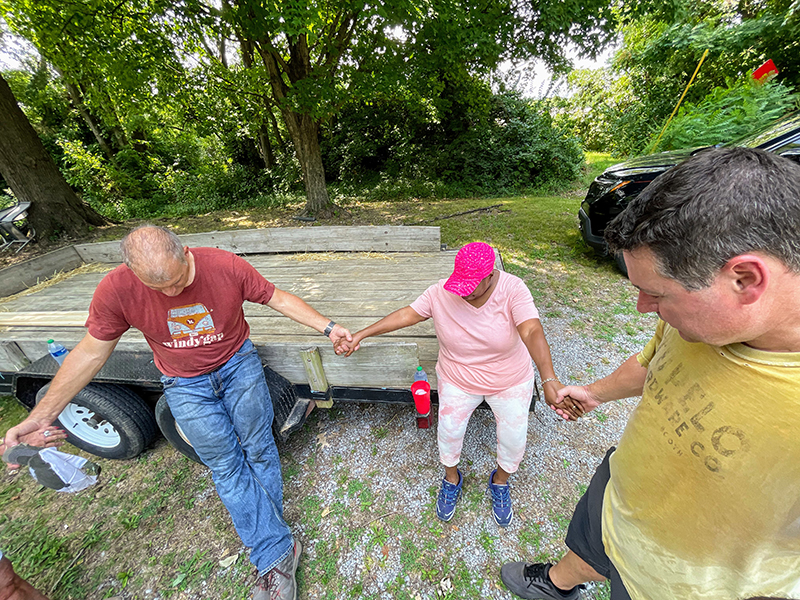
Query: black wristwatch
x,y
328,329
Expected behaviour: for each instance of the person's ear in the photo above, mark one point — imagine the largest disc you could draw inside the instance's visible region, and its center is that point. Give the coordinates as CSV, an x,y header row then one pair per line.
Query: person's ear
x,y
748,276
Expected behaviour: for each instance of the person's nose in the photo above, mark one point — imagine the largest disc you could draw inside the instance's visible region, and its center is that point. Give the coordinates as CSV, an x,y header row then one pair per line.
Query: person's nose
x,y
646,303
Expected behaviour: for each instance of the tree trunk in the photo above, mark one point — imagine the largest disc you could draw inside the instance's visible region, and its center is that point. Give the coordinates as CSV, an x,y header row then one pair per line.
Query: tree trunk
x,y
34,177
265,147
303,129
276,130
305,136
77,102
112,120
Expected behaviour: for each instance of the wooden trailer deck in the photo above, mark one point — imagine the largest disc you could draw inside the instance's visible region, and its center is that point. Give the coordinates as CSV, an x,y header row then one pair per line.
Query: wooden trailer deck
x,y
353,288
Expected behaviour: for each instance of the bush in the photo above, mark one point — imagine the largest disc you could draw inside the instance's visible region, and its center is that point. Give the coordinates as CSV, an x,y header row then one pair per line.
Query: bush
x,y
406,147
516,147
614,111
382,136
138,185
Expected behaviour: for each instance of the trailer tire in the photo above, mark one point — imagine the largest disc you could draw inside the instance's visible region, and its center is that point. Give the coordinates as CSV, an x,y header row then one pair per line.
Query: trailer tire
x,y
172,431
107,420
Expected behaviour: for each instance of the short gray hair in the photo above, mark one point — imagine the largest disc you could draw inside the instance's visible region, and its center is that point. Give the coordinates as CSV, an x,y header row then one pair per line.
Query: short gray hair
x,y
148,248
717,205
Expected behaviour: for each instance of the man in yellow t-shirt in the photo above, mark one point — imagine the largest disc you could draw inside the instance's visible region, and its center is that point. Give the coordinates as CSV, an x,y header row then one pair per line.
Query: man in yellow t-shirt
x,y
701,499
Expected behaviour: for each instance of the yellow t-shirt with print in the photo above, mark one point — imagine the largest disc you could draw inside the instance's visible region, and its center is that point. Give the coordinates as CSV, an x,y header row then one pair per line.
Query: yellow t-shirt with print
x,y
704,496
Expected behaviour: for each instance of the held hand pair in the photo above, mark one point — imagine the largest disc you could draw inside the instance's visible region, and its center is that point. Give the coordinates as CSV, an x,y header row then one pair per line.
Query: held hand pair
x,y
346,347
572,402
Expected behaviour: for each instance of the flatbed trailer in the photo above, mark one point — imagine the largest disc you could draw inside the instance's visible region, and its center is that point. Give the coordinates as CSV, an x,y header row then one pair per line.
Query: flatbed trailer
x,y
354,275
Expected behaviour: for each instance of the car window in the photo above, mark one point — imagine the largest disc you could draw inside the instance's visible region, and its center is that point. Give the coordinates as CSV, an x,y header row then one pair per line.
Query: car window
x,y
783,127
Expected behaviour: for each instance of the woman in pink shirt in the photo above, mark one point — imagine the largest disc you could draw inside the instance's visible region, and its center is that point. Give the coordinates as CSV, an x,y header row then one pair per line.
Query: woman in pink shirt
x,y
488,330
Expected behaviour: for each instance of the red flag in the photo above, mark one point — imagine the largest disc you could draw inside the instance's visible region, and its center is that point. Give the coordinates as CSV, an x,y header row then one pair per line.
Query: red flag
x,y
765,72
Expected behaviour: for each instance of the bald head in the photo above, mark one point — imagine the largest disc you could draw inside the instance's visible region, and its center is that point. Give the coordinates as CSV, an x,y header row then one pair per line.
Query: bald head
x,y
152,253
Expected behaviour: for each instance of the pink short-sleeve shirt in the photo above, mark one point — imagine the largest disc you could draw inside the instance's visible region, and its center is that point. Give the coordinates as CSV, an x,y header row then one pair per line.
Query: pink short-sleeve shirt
x,y
480,350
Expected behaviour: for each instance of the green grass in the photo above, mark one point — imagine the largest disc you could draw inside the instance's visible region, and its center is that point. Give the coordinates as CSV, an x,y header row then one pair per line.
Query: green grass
x,y
487,542
379,536
603,591
409,556
44,555
596,163
380,432
531,537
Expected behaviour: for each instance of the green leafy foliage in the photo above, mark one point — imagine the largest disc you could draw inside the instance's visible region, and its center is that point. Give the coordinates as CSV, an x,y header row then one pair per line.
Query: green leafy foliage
x,y
196,105
586,114
728,113
624,107
496,142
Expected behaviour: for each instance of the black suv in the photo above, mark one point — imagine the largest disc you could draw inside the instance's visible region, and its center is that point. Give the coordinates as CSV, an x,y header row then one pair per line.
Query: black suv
x,y
618,185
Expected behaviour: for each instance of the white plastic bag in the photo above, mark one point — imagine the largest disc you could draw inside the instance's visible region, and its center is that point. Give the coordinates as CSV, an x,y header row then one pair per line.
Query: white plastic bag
x,y
69,468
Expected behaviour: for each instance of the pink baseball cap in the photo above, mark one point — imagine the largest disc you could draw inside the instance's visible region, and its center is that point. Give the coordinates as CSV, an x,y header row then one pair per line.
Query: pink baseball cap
x,y
474,262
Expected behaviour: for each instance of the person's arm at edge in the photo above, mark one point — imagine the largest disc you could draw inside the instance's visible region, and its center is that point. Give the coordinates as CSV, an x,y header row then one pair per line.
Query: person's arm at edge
x,y
79,367
532,334
626,381
403,317
299,310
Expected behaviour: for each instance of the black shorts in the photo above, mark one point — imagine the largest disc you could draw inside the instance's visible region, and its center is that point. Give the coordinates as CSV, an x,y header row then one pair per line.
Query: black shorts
x,y
585,533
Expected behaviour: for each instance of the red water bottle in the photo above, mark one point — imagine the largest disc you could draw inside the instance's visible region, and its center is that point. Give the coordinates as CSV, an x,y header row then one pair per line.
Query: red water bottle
x,y
421,390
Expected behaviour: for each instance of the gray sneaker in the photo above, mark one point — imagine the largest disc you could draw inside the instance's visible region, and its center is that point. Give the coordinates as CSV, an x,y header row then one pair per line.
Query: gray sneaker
x,y
280,582
532,581
28,456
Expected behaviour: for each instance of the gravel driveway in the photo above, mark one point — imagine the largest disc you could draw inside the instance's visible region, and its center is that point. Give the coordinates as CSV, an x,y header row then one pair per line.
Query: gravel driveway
x,y
360,486
361,482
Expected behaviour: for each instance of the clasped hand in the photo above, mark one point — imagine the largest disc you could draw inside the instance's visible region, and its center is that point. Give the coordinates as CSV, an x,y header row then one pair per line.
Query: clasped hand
x,y
572,402
341,338
347,346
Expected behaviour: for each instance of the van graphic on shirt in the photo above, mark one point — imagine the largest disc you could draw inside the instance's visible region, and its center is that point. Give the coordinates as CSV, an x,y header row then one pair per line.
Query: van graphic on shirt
x,y
190,321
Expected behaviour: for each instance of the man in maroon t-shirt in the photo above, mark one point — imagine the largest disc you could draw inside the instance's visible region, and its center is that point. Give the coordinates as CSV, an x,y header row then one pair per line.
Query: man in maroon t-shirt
x,y
188,305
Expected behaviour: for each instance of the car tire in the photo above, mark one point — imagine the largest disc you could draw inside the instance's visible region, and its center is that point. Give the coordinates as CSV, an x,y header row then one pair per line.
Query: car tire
x,y
620,260
107,420
172,431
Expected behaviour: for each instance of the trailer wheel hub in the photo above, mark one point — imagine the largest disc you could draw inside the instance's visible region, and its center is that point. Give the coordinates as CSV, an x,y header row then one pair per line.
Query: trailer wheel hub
x,y
89,426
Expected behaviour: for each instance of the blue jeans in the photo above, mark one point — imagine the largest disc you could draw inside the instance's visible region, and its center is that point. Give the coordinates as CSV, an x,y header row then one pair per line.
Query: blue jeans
x,y
227,416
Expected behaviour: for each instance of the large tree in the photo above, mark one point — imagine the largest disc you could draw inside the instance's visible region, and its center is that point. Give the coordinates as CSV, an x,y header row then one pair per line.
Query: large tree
x,y
301,60
33,176
110,57
306,59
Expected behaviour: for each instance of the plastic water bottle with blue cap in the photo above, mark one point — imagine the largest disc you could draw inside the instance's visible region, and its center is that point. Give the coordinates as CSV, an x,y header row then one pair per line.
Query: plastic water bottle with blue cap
x,y
57,351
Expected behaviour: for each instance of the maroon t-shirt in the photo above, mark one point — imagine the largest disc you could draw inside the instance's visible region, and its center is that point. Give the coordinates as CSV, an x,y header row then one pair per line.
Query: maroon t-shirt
x,y
191,333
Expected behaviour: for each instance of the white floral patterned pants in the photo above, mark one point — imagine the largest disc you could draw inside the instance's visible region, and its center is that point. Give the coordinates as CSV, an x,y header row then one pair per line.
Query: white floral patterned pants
x,y
510,408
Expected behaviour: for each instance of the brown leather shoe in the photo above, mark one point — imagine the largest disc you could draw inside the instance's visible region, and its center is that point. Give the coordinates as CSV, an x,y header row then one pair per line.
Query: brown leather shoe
x,y
280,583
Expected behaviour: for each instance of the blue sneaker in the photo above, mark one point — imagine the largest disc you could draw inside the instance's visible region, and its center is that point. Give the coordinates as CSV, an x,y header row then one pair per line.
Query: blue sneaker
x,y
448,496
501,502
